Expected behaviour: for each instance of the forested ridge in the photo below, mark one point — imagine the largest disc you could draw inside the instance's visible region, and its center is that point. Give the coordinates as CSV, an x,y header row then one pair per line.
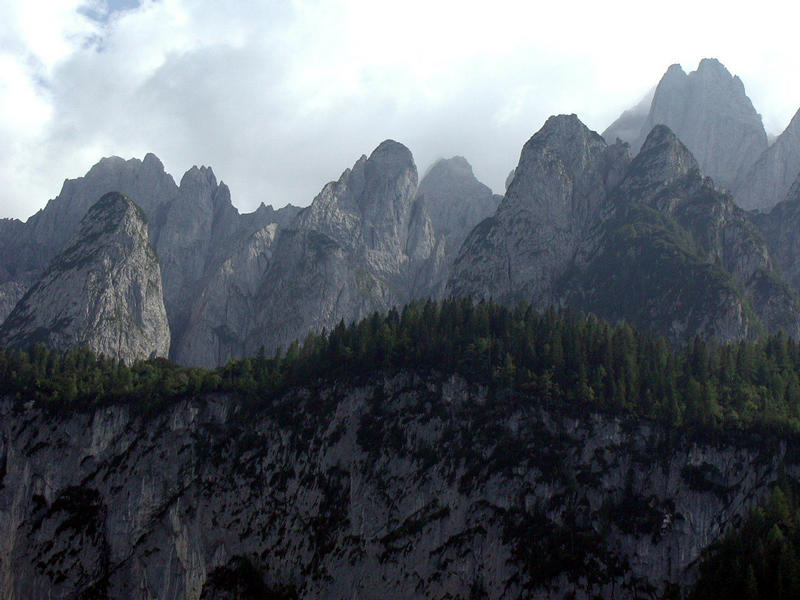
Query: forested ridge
x,y
557,357
554,356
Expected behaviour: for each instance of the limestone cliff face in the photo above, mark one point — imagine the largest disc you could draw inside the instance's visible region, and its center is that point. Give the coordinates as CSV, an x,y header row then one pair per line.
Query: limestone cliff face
x,y
548,220
781,230
193,227
26,251
349,253
652,241
196,233
769,180
710,112
455,200
102,291
401,487
369,241
16,271
145,181
354,250
688,259
227,307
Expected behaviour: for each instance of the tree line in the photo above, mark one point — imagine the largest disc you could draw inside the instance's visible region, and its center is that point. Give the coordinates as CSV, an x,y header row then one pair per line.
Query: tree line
x,y
551,356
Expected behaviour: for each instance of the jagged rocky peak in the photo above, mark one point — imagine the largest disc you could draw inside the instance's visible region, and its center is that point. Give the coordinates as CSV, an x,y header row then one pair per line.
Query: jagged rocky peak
x,y
199,179
454,199
710,112
370,205
769,180
390,179
662,160
102,291
548,218
198,227
565,155
266,214
145,181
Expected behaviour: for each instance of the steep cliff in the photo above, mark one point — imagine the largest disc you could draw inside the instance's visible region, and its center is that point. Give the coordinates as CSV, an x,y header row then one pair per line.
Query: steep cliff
x,y
710,112
769,180
399,487
548,220
102,291
369,241
198,228
27,248
781,230
455,200
681,258
653,242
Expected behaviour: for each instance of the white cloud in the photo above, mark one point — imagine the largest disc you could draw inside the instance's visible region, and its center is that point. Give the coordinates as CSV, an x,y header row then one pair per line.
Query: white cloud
x,y
280,96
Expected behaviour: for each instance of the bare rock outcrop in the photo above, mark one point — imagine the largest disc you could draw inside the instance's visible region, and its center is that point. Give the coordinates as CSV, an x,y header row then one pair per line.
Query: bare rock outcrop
x,y
548,220
103,291
769,180
710,112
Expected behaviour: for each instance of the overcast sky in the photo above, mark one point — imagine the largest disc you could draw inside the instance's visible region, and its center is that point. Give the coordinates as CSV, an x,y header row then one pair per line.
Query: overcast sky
x,y
280,97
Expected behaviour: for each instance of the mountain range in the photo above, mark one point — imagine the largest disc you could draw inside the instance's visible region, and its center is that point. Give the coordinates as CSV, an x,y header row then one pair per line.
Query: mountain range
x,y
500,442
684,223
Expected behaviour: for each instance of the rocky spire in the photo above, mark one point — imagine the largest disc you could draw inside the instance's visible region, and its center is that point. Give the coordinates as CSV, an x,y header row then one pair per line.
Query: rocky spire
x,y
663,159
455,200
547,218
710,112
102,291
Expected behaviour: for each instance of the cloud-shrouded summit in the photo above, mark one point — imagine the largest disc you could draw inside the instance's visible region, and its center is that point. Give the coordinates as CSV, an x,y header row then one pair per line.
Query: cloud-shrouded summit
x,y
277,96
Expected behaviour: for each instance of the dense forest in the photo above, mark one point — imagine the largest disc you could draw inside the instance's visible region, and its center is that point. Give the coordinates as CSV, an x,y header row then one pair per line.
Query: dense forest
x,y
556,357
761,559
552,356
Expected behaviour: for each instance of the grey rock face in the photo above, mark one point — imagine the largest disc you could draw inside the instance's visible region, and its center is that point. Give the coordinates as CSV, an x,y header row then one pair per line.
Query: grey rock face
x,y
375,491
710,113
199,226
769,180
697,265
227,307
144,181
16,271
26,251
455,200
369,241
194,229
652,241
102,291
781,230
547,222
352,251
355,250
